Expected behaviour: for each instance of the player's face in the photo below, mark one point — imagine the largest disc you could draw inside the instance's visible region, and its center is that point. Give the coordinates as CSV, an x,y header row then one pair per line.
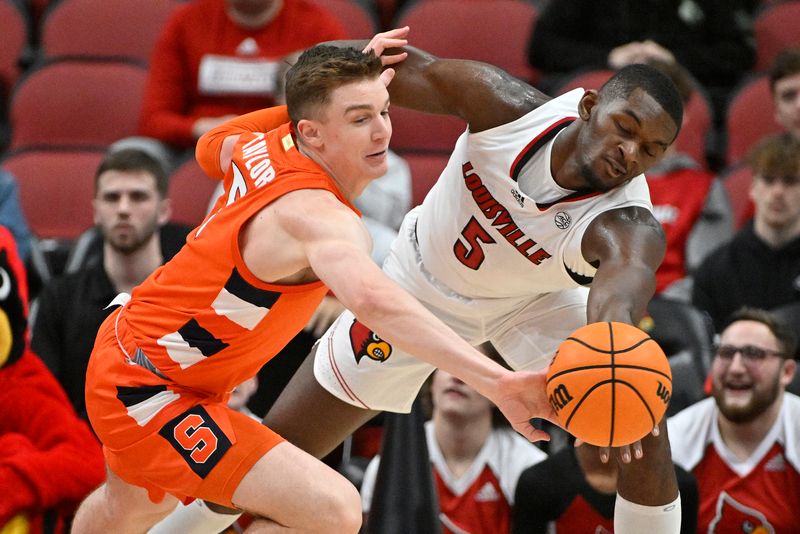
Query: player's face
x,y
787,103
743,388
623,138
453,398
128,209
355,130
777,200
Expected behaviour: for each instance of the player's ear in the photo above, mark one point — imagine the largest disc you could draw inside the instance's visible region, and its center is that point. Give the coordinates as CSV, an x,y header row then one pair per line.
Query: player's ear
x,y
587,103
309,132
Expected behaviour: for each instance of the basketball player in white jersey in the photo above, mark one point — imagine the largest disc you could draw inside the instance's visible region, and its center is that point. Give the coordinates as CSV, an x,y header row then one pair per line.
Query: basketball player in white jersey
x,y
539,223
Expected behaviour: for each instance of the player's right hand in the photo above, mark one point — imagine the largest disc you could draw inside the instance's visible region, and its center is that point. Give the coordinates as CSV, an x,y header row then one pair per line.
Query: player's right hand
x,y
390,39
522,396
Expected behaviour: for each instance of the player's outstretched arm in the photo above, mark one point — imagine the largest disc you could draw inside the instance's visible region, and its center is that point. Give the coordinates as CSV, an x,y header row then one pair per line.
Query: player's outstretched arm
x,y
628,244
483,95
336,246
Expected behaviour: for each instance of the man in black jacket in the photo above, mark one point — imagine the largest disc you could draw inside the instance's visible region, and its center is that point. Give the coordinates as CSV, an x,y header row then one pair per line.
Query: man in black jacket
x,y
760,267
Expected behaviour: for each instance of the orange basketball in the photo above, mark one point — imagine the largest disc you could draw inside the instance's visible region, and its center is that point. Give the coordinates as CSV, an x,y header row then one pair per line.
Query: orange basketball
x,y
609,384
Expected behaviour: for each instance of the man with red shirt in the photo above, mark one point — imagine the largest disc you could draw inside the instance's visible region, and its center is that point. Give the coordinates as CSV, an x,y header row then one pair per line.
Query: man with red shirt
x,y
742,444
216,59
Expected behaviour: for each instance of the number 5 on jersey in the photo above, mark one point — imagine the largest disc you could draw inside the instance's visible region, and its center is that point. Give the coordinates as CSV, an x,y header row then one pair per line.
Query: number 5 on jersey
x,y
468,250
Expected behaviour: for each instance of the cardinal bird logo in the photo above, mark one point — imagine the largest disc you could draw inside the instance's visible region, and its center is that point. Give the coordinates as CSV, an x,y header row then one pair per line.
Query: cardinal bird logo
x,y
365,342
733,517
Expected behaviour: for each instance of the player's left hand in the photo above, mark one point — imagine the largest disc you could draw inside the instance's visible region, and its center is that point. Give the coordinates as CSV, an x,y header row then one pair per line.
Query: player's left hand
x,y
626,453
522,396
328,310
395,38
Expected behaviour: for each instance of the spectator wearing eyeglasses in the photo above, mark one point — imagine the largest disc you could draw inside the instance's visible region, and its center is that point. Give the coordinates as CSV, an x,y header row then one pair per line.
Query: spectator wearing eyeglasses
x,y
760,266
743,443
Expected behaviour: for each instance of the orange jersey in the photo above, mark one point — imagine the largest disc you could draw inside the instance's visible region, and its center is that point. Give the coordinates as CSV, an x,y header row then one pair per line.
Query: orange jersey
x,y
203,320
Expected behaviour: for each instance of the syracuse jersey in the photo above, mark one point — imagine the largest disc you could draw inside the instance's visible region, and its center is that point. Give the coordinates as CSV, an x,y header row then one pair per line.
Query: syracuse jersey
x,y
759,495
203,320
480,500
496,224
164,364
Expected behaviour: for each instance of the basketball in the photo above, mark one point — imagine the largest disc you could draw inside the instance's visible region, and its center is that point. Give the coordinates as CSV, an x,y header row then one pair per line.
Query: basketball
x,y
609,383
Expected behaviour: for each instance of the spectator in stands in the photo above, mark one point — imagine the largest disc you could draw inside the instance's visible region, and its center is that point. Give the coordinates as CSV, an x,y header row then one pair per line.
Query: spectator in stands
x,y
760,266
130,206
11,214
216,59
708,37
476,459
573,491
784,81
49,459
689,202
743,445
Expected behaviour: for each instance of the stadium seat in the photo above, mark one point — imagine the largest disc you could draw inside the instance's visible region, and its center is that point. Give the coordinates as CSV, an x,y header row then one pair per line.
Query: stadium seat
x,y
56,189
425,170
775,29
357,22
424,132
496,32
120,29
698,116
750,117
76,104
190,192
737,180
14,29
685,336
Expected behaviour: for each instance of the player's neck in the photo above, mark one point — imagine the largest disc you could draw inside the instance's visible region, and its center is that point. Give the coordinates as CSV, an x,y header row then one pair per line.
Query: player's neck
x,y
742,439
349,189
460,439
126,271
565,170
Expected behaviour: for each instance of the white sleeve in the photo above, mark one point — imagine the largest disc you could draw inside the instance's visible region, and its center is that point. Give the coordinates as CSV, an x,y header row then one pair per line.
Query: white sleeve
x,y
368,484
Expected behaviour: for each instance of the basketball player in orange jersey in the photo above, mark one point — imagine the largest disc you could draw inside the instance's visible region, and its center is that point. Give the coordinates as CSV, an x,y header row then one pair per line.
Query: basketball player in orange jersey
x,y
247,280
541,199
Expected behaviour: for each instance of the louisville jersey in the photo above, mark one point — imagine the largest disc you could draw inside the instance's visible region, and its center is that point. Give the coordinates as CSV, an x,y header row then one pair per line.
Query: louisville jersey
x,y
758,495
480,500
203,320
496,210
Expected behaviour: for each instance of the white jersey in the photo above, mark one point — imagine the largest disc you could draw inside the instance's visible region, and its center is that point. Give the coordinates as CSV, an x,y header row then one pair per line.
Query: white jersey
x,y
496,224
480,500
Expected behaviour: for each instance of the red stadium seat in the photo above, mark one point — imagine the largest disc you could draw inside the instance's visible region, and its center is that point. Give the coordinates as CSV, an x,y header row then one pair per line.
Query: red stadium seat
x,y
356,21
697,113
76,104
750,117
425,170
496,32
416,131
56,189
737,181
112,28
190,192
776,28
14,29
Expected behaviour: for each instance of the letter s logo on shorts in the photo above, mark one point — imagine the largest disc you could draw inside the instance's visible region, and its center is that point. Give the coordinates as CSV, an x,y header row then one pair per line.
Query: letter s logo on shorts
x,y
197,438
365,342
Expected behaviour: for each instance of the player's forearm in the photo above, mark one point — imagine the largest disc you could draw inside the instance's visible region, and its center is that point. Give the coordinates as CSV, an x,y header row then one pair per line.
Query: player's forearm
x,y
620,293
402,321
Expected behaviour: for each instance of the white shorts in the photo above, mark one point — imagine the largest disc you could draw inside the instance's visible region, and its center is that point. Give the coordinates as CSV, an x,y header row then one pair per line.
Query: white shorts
x,y
359,368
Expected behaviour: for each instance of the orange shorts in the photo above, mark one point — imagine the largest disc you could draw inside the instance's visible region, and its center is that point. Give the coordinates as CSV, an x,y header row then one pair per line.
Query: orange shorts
x,y
162,437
